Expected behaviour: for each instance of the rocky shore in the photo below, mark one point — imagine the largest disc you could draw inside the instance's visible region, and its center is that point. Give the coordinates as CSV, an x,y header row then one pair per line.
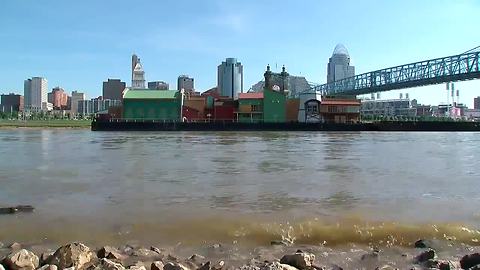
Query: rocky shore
x,y
279,256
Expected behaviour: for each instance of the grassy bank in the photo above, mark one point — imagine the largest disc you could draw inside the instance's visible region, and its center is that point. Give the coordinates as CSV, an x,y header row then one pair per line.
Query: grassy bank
x,y
54,123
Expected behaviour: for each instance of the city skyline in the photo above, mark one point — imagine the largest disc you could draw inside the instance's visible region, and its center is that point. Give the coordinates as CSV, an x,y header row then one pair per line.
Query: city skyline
x,y
85,52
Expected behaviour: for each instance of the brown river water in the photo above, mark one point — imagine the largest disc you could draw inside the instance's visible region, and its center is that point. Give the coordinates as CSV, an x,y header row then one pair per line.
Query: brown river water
x,y
245,188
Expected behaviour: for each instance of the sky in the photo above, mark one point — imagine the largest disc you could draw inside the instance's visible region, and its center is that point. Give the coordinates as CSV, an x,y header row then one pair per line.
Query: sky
x,y
79,44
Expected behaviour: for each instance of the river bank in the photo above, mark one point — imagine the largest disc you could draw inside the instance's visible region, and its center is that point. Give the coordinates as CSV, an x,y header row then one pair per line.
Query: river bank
x,y
424,255
61,123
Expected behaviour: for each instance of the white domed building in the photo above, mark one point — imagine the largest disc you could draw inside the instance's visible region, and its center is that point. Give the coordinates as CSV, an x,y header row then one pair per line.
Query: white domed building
x,y
339,65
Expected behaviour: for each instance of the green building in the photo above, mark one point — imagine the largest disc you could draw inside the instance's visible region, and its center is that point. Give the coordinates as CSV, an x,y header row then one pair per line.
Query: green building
x,y
268,106
142,104
274,107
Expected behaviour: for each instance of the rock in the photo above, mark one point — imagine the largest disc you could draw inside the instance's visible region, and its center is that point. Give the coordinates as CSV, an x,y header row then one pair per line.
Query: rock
x,y
445,265
205,266
171,258
156,265
425,256
21,260
195,258
16,209
44,257
218,266
72,255
300,260
279,243
107,264
15,246
249,267
469,261
422,243
110,253
157,250
48,267
174,266
277,266
369,256
137,267
143,252
385,267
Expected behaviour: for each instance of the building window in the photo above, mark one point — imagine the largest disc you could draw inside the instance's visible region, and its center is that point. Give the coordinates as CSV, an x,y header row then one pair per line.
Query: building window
x,y
256,108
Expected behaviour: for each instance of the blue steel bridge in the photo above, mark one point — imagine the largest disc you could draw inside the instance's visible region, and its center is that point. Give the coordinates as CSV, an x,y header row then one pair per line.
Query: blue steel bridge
x,y
460,67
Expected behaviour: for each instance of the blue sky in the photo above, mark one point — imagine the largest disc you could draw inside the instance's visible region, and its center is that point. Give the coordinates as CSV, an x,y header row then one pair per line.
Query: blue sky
x,y
79,44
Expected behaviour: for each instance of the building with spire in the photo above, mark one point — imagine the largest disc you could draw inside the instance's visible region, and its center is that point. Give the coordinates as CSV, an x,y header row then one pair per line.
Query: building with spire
x,y
138,74
339,65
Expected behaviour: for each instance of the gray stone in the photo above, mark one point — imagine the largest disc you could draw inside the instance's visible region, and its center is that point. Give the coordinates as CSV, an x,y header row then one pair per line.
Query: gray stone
x,y
21,260
107,264
198,259
44,257
146,253
157,265
15,246
469,261
137,267
48,267
385,267
174,266
373,256
249,267
300,260
205,266
218,266
72,255
157,250
110,253
425,256
277,266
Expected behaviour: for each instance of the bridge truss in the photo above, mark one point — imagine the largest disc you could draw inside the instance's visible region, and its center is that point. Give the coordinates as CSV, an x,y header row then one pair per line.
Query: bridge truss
x,y
435,71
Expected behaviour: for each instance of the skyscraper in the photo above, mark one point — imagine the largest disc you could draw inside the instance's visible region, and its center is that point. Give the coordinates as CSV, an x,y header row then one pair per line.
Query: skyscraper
x,y
476,103
230,78
76,97
138,74
339,65
35,93
186,83
113,89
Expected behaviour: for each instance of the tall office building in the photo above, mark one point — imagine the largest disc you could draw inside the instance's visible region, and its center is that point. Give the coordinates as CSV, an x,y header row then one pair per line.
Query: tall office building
x,y
11,103
76,97
138,74
186,83
339,65
476,103
35,94
230,78
58,98
113,89
158,85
